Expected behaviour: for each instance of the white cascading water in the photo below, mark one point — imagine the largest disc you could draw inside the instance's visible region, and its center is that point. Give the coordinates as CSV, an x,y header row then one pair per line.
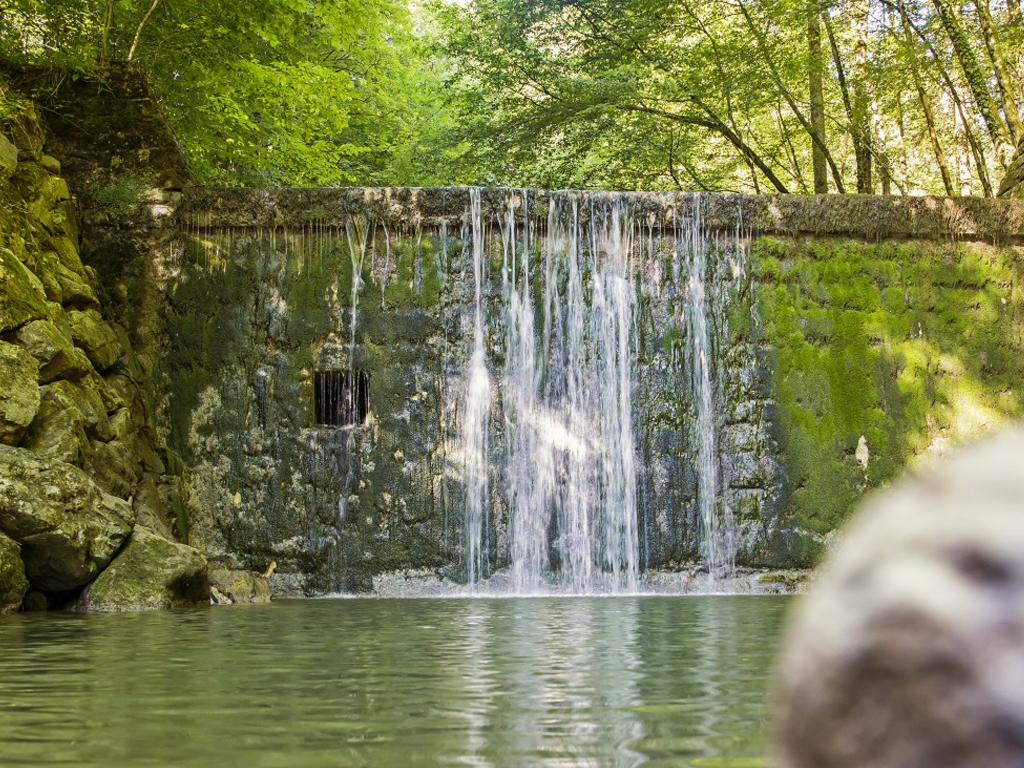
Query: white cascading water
x,y
718,528
568,454
612,334
476,416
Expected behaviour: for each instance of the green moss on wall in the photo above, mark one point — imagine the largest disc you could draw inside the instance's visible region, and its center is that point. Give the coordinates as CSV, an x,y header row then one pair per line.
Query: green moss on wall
x,y
417,277
911,346
209,328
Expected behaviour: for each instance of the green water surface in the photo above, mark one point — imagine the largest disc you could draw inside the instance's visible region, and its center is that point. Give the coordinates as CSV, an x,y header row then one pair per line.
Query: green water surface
x,y
610,681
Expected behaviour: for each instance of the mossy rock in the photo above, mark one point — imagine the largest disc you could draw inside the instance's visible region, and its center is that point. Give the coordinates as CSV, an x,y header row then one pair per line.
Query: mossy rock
x,y
151,573
22,297
67,527
75,289
26,131
58,358
896,346
239,586
19,392
113,466
69,415
8,158
94,337
13,584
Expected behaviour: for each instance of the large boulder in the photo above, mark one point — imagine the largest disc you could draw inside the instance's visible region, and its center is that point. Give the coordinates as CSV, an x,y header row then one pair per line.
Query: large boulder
x,y
97,339
909,650
19,392
22,297
13,584
239,586
67,527
151,573
57,355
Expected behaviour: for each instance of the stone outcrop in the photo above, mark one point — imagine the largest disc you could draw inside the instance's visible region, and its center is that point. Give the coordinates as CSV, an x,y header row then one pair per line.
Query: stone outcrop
x,y
151,573
907,651
81,458
13,584
68,529
232,586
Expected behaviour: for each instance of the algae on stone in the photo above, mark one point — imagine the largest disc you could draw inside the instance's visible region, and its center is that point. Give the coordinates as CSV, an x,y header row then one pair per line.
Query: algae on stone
x,y
58,357
67,527
150,573
94,337
902,348
22,297
240,586
13,584
19,392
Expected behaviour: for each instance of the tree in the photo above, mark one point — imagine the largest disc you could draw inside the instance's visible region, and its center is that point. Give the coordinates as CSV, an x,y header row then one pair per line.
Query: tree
x,y
732,94
259,92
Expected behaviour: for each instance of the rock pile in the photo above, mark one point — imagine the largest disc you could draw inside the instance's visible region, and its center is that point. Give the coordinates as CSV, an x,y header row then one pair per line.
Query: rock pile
x,y
87,491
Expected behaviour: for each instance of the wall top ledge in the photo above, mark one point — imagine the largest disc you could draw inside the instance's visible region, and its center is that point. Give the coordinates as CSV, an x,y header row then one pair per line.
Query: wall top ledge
x,y
867,216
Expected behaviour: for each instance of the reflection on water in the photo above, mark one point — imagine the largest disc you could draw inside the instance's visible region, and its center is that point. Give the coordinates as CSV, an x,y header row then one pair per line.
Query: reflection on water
x,y
614,681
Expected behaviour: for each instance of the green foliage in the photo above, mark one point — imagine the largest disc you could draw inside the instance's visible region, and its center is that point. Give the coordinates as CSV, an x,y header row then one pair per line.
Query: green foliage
x,y
713,94
910,346
271,92
121,197
635,94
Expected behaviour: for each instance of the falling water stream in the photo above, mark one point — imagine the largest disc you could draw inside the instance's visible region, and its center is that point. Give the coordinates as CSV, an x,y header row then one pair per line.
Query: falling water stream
x,y
564,395
476,415
717,526
583,314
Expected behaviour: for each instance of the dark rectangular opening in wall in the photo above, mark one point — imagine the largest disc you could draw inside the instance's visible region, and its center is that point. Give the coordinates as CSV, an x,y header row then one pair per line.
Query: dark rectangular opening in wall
x,y
341,398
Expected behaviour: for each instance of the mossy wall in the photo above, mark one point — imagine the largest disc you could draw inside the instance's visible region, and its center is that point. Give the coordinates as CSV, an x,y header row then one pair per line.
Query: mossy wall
x,y
251,317
838,361
904,348
254,313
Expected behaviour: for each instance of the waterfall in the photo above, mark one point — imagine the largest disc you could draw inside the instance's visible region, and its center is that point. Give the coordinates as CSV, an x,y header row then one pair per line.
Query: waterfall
x,y
477,414
546,382
568,455
612,329
717,526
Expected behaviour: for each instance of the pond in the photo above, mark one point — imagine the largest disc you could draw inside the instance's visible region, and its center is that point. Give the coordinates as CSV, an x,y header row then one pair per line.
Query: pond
x,y
603,681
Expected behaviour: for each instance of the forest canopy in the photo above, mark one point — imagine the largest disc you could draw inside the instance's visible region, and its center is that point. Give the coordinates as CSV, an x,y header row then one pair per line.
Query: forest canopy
x,y
840,96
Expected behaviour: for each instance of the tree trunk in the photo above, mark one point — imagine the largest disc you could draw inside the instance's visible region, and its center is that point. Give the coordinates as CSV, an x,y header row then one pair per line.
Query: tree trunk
x,y
976,149
1004,78
817,139
108,21
815,67
926,107
713,122
976,81
963,163
860,117
138,32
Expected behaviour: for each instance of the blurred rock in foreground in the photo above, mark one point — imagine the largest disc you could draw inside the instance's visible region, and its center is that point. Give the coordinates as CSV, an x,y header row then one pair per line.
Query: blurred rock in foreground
x,y
909,651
